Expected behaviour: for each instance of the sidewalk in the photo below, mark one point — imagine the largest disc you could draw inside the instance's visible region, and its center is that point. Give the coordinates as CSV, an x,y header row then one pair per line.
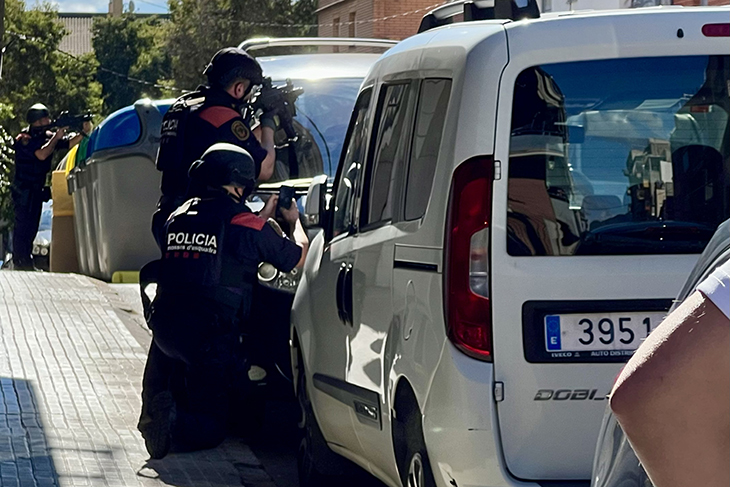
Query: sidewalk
x,y
70,381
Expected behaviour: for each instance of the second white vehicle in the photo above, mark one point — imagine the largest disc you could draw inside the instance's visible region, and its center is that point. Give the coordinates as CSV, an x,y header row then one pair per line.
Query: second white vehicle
x,y
516,205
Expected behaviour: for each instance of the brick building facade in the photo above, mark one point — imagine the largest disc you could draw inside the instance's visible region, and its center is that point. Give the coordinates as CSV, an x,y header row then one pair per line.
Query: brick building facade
x,y
354,18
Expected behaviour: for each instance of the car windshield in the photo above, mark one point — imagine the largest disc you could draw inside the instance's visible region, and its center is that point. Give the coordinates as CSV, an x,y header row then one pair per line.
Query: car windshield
x,y
622,156
323,113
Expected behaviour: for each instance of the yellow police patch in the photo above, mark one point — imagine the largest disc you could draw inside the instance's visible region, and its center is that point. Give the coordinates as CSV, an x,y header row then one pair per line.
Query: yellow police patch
x,y
240,130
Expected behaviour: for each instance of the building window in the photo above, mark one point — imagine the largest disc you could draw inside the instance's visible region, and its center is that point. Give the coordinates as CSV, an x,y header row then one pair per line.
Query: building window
x,y
351,25
336,32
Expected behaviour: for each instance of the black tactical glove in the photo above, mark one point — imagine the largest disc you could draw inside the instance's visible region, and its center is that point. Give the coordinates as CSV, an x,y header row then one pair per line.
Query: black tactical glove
x,y
270,100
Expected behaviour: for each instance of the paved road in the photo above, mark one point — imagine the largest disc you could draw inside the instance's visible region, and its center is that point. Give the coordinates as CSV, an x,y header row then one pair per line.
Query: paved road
x,y
72,352
276,447
70,376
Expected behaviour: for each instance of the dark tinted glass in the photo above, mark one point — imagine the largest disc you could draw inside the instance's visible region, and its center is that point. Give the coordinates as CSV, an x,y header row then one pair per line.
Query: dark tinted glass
x,y
432,104
626,156
355,145
390,150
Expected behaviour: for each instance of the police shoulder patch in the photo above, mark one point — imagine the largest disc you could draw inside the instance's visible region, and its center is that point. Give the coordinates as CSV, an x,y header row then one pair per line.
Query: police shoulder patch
x,y
240,130
249,220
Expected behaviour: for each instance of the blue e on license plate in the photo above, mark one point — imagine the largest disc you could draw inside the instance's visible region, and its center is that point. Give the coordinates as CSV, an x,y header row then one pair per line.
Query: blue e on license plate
x,y
588,332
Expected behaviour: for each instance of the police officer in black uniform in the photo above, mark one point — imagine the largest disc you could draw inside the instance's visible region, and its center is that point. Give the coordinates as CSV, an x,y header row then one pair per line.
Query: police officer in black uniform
x,y
212,114
34,148
211,251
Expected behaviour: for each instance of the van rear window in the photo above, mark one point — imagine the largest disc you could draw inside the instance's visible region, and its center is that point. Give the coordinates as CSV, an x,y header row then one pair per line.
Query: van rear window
x,y
619,157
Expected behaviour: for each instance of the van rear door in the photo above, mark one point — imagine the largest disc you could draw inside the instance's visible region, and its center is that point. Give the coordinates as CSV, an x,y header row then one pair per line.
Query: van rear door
x,y
614,178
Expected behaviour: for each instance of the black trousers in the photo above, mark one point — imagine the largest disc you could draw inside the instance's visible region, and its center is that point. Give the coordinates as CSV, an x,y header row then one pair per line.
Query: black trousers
x,y
199,358
28,202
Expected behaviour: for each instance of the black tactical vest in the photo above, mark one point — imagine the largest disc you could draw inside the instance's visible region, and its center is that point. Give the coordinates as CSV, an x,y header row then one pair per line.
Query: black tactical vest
x,y
172,134
199,262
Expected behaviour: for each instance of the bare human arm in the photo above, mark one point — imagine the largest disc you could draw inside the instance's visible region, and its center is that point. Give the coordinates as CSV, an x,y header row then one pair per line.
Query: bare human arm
x,y
673,398
266,139
269,209
45,152
297,231
75,140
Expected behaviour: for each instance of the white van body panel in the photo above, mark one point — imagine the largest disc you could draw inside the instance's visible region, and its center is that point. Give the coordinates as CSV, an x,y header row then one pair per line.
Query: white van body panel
x,y
399,332
550,439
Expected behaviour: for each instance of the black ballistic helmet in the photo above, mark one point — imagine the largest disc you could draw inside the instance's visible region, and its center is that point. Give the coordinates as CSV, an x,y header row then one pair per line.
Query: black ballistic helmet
x,y
223,164
229,59
36,112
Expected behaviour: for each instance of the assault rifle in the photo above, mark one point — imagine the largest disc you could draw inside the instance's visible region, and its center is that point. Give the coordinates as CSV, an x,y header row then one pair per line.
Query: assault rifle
x,y
65,119
282,101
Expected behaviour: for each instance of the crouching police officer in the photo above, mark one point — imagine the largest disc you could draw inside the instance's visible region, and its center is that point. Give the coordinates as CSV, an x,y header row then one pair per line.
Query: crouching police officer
x,y
212,247
34,148
210,115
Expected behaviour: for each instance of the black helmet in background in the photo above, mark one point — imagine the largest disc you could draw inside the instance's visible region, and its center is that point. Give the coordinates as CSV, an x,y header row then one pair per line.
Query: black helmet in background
x,y
230,63
221,165
37,112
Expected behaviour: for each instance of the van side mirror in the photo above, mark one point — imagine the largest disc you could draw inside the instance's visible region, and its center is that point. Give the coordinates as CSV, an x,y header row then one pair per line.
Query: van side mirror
x,y
315,208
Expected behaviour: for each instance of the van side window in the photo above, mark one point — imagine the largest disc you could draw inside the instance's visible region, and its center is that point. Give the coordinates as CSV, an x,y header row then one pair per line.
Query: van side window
x,y
350,166
431,115
391,131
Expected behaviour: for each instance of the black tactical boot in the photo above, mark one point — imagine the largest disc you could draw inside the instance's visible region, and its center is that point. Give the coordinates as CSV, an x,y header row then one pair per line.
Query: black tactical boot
x,y
156,424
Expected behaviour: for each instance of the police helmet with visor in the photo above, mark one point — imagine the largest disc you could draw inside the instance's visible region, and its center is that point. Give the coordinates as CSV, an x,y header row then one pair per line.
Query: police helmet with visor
x,y
224,164
231,64
37,112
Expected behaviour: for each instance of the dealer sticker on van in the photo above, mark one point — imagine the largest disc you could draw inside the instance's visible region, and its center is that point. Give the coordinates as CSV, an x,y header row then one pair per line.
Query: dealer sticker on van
x,y
599,331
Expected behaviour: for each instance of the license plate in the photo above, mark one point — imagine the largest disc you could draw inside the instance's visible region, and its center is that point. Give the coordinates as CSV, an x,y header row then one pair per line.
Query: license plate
x,y
597,332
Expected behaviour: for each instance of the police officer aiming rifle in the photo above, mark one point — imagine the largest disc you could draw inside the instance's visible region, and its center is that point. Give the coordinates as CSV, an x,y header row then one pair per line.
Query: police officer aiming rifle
x,y
213,114
34,148
211,248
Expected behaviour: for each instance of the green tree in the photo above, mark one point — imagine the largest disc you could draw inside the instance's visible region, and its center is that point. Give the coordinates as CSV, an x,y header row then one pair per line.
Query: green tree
x,y
130,47
35,71
200,27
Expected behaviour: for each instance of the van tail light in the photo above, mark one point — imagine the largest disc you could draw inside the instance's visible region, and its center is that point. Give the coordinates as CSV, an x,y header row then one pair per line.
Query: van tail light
x,y
466,257
716,30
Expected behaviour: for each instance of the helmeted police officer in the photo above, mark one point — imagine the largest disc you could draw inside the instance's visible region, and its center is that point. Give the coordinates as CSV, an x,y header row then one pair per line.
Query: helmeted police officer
x,y
34,148
212,248
212,114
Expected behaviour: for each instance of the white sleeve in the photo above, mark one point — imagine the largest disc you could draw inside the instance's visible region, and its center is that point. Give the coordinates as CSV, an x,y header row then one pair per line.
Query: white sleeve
x,y
717,288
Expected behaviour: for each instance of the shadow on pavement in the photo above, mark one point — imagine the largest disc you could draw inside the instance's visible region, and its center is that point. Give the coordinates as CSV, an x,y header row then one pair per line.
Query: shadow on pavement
x,y
218,467
276,447
25,457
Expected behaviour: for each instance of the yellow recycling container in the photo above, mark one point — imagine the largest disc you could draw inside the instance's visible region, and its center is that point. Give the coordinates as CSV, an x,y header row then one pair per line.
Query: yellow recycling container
x,y
63,238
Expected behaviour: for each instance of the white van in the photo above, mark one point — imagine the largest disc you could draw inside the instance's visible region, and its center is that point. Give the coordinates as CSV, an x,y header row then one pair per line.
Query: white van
x,y
516,205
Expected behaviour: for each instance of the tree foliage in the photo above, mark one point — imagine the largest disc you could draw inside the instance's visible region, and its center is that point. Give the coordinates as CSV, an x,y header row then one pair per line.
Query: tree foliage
x,y
130,47
35,71
200,27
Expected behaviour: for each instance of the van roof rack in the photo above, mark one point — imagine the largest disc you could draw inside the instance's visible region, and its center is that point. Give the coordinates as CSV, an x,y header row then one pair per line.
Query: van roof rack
x,y
472,10
269,42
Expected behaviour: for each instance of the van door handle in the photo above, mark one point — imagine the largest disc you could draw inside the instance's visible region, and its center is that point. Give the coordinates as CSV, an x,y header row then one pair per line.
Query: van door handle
x,y
340,293
347,296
